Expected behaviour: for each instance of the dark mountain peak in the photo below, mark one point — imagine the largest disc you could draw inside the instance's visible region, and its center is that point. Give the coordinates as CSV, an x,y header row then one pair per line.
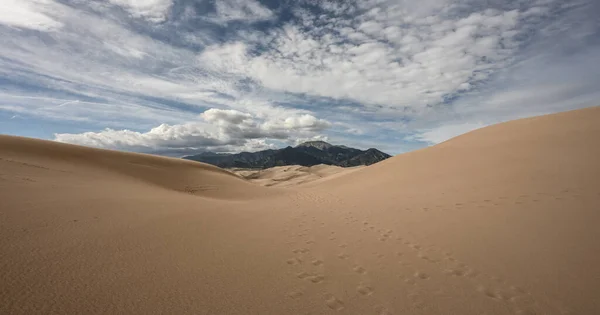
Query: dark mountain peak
x,y
306,154
321,145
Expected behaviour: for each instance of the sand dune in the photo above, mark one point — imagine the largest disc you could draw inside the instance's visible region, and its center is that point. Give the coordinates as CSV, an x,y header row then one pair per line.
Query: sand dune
x,y
291,175
502,220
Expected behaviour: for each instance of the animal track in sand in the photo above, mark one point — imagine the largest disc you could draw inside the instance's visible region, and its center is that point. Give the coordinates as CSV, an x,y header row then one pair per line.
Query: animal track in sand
x,y
343,245
333,303
300,251
317,262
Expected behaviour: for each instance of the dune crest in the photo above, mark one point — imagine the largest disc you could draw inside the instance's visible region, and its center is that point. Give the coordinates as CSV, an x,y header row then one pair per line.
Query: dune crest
x,y
502,220
106,165
291,175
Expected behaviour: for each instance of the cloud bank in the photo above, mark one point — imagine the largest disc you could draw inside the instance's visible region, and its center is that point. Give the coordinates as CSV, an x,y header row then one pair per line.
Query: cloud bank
x,y
220,130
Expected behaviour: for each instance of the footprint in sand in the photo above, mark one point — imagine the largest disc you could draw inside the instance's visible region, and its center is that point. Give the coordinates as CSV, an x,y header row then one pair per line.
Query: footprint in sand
x,y
487,292
333,303
410,281
302,275
293,261
316,278
317,262
360,270
343,256
380,310
364,289
295,295
300,251
421,275
416,246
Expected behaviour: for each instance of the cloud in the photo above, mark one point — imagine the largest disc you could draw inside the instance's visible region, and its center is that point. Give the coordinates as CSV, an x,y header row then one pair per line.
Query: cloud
x,y
221,131
241,10
372,70
227,116
443,133
392,60
152,10
29,14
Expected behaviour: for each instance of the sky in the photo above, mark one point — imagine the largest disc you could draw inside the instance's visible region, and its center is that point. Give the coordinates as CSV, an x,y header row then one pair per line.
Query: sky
x,y
179,77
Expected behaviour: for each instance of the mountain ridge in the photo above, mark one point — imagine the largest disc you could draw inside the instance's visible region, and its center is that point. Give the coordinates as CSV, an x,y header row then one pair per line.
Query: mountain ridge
x,y
309,153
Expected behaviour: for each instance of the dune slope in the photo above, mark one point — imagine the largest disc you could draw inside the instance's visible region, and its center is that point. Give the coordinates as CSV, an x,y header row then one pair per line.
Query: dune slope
x,y
502,220
56,160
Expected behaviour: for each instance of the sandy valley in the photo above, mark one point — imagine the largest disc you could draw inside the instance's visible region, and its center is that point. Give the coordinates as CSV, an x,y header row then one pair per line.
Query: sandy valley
x,y
501,220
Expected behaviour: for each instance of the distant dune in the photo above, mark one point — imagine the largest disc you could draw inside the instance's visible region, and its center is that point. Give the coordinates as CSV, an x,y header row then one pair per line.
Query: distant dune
x,y
291,175
502,220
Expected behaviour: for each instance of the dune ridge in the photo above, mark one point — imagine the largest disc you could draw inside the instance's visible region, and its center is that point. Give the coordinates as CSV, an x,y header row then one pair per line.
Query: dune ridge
x,y
291,175
501,220
170,173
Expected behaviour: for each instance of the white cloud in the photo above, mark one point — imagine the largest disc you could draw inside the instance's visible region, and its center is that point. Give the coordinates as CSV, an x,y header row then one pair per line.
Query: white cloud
x,y
367,68
29,14
221,131
241,10
415,62
152,10
443,133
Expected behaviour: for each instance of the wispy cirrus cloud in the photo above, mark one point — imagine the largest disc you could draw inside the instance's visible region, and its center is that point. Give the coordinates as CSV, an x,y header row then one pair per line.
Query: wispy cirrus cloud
x,y
153,10
385,73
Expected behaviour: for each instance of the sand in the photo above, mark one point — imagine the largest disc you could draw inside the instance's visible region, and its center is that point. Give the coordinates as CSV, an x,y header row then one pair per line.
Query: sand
x,y
291,175
502,220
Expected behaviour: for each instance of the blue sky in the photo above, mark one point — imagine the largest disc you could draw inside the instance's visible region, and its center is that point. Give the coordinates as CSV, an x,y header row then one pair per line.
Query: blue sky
x,y
176,77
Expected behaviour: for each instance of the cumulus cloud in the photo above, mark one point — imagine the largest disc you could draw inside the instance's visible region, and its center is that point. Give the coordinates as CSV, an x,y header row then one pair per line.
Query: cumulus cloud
x,y
221,131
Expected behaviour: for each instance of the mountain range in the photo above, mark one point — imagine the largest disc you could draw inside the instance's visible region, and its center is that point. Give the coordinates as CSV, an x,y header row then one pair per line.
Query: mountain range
x,y
306,154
